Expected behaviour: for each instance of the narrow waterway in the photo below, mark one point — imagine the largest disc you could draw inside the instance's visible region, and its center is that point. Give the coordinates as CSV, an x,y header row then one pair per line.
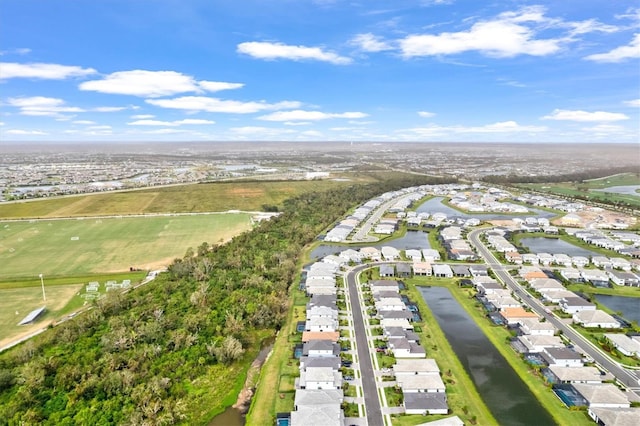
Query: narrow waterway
x,y
505,394
629,306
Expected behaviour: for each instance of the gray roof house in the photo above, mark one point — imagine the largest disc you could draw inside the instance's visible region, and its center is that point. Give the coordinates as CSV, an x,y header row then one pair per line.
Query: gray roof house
x,y
562,357
425,403
605,395
577,375
615,416
387,270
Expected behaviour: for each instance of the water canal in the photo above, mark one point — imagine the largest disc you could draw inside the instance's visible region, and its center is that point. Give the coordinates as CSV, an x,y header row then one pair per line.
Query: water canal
x,y
505,394
411,240
629,306
554,246
434,205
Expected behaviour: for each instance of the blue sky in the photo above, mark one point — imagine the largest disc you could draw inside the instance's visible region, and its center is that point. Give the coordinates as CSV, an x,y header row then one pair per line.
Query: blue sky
x,y
315,70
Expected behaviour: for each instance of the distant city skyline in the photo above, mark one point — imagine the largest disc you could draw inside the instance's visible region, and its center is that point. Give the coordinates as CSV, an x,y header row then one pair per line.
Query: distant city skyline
x,y
320,70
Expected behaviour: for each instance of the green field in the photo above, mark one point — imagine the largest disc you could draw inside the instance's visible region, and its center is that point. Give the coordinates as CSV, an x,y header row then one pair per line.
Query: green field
x,y
591,189
210,197
73,246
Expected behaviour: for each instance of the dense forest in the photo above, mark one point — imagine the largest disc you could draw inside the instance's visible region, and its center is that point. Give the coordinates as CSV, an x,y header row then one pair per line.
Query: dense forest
x,y
170,351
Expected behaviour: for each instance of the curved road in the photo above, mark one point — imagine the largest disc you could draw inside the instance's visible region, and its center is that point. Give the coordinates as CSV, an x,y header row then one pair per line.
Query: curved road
x,y
628,378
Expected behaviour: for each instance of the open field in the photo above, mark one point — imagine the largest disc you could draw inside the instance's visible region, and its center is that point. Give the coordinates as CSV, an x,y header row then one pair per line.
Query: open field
x,y
73,247
591,189
208,197
16,303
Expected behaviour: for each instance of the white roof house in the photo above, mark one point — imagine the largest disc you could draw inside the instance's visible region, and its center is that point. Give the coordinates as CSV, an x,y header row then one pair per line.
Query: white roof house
x,y
535,327
420,383
595,319
414,255
440,270
431,255
578,374
624,344
390,253
415,366
615,416
605,395
320,378
537,342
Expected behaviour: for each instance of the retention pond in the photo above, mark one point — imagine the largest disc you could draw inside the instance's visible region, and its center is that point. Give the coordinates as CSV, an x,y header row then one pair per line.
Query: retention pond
x,y
505,394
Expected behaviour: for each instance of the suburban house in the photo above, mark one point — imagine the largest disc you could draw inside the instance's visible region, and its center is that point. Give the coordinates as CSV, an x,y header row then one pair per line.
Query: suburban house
x,y
624,278
413,255
425,403
537,328
513,257
478,270
531,258
605,395
320,348
390,253
371,253
391,332
428,383
387,270
596,277
403,270
383,285
601,261
460,270
571,305
580,261
390,304
563,357
595,319
319,378
442,271
487,287
545,259
535,343
542,285
396,322
563,375
431,255
321,324
623,343
557,296
415,367
422,268
333,362
322,312
562,259
615,416
515,315
620,263
331,336
571,275
328,415
403,348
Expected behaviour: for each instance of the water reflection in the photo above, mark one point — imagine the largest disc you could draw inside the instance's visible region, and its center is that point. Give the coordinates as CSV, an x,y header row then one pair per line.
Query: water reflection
x,y
507,397
554,246
434,205
629,306
411,240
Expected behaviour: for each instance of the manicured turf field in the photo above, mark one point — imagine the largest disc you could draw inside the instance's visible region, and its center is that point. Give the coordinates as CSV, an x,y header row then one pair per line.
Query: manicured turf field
x,y
73,246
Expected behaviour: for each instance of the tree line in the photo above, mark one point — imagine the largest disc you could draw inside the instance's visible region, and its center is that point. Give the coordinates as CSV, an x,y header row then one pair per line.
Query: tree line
x,y
137,357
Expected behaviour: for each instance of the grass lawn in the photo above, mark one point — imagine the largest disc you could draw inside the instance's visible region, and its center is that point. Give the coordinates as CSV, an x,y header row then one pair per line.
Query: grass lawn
x,y
72,247
499,336
209,197
615,290
16,303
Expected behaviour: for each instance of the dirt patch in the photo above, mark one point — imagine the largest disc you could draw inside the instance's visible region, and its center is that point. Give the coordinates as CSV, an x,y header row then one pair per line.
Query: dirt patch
x,y
246,192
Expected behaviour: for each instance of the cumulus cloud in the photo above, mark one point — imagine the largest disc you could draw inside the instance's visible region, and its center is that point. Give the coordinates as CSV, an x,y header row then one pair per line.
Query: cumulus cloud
x,y
109,109
499,127
203,103
270,51
426,114
187,121
370,43
633,103
301,115
577,115
22,132
507,35
84,122
216,86
42,71
142,83
142,116
619,54
42,106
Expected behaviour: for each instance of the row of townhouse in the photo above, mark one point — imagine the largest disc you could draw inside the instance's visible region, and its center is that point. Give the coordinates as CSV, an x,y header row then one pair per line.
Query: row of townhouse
x,y
417,376
319,395
456,246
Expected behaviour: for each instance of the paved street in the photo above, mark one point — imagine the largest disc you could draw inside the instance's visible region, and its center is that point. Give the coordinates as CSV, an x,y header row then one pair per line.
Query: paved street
x,y
369,389
627,377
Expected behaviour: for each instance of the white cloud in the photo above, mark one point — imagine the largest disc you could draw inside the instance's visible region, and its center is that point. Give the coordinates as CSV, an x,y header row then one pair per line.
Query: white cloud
x,y
109,109
262,132
187,121
267,50
300,115
17,51
163,131
42,106
426,114
370,43
509,34
202,103
142,116
590,26
297,123
2,123
216,86
84,122
633,103
500,127
24,132
577,115
604,128
619,54
42,71
100,127
143,83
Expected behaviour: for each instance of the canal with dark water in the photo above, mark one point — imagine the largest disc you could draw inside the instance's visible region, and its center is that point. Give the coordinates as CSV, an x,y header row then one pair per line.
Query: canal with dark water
x,y
629,306
505,394
555,246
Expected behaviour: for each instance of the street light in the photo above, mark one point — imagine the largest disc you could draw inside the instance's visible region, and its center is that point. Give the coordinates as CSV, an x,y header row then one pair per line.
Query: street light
x,y
44,296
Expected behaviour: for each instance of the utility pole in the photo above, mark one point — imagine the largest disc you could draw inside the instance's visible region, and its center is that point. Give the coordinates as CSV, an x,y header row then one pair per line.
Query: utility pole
x,y
44,296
